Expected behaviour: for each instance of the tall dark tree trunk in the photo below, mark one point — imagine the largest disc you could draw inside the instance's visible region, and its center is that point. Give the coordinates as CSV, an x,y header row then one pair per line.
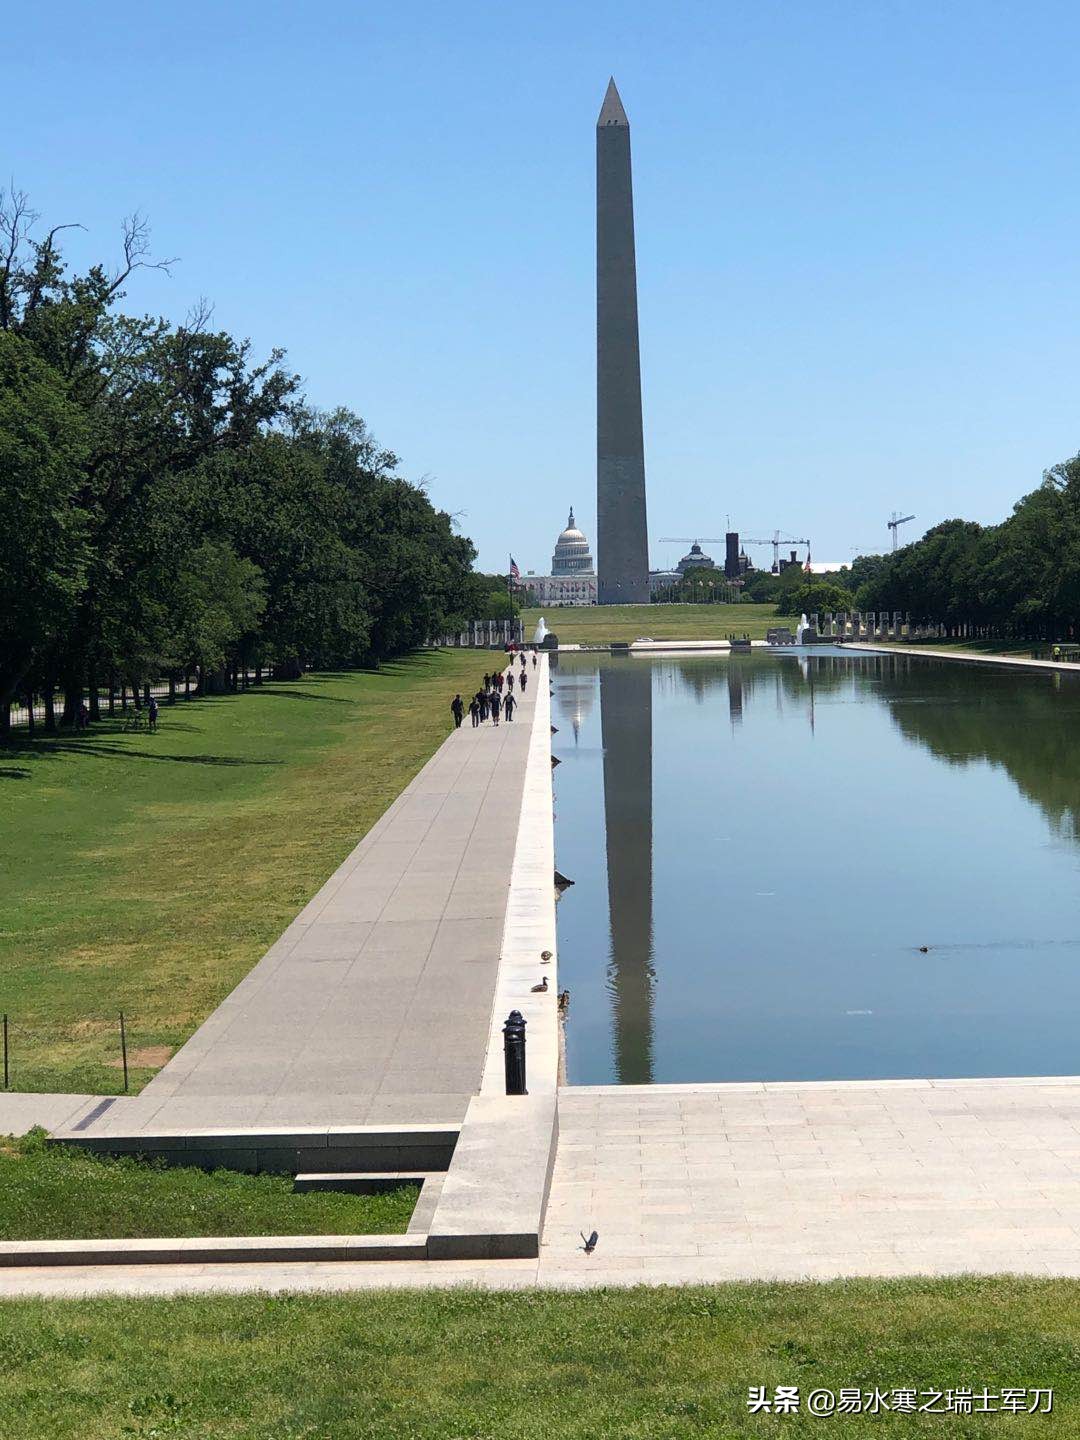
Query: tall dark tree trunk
x,y
172,689
5,720
72,681
30,726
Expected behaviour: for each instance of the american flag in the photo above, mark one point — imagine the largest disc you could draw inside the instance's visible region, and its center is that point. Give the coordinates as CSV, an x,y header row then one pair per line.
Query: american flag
x,y
515,573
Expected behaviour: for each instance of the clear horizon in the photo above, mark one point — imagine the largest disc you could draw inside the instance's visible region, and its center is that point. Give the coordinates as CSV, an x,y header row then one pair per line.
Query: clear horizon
x,y
858,284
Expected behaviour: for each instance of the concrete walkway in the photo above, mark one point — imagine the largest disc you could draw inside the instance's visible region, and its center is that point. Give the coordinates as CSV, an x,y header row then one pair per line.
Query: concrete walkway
x,y
374,1007
706,1183
967,657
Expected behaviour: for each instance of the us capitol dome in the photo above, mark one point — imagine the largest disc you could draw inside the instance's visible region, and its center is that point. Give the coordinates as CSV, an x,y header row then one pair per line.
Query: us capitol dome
x,y
571,555
573,575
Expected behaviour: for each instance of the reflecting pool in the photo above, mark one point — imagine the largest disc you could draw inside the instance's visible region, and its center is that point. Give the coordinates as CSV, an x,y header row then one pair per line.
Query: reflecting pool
x,y
762,844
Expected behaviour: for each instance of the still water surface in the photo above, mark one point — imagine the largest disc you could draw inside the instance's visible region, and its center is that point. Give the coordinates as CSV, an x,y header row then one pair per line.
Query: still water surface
x,y
761,844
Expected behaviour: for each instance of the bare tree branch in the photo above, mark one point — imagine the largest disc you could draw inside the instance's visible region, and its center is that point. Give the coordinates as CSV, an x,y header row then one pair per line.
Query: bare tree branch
x,y
136,249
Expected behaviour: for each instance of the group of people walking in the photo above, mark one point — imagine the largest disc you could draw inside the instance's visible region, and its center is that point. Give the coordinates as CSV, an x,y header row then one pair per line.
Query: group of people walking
x,y
495,698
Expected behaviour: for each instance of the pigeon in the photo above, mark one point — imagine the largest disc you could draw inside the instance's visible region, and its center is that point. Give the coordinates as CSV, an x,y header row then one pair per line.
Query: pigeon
x,y
545,956
590,1243
924,949
539,989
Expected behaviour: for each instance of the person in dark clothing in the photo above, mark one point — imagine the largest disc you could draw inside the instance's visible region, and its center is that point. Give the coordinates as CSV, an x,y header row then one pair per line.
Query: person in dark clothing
x,y
523,659
534,659
457,709
510,680
508,707
498,678
152,711
482,700
487,682
474,711
524,681
495,703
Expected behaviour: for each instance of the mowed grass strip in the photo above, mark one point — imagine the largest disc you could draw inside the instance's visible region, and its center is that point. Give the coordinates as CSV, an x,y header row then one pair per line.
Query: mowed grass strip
x,y
602,624
148,873
59,1192
664,1364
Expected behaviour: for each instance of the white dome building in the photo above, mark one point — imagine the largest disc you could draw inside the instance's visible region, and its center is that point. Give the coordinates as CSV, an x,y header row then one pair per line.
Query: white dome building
x,y
573,575
571,555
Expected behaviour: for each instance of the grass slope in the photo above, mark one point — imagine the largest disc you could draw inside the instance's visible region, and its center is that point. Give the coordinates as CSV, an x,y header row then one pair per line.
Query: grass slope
x,y
148,873
58,1192
662,1364
600,624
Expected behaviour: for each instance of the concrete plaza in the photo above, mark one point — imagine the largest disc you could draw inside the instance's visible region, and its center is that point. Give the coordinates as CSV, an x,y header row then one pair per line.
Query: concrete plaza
x,y
706,1183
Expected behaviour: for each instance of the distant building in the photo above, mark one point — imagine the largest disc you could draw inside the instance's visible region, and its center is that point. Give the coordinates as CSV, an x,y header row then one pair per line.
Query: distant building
x,y
573,575
695,559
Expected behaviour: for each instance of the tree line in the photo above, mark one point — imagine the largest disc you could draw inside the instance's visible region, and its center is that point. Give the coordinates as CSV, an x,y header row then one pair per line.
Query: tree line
x,y
171,505
1019,578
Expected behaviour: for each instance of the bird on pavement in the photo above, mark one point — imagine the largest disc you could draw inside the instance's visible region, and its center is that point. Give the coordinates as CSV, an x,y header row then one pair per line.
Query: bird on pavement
x,y
539,989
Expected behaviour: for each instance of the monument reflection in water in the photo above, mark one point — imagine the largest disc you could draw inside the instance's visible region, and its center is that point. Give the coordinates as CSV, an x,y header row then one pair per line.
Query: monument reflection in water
x,y
762,844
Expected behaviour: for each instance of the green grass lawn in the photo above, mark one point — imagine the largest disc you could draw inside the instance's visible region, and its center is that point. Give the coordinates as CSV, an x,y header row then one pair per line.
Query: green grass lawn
x,y
600,624
148,873
59,1192
630,1365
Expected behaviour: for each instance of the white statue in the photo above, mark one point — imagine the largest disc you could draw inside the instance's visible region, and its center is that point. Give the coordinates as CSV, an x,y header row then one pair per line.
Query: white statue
x,y
802,625
540,632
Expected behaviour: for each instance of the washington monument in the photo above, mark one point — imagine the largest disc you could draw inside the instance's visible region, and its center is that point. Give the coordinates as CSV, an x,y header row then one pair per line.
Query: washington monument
x,y
622,543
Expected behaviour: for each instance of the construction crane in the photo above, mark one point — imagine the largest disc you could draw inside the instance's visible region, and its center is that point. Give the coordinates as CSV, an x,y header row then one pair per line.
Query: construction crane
x,y
692,540
776,541
895,523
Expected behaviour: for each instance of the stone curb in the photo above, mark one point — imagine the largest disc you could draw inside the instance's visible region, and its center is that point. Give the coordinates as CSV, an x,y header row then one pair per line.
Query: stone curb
x,y
213,1250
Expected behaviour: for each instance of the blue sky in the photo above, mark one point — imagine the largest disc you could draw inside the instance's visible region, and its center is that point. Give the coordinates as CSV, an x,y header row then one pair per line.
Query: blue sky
x,y
858,231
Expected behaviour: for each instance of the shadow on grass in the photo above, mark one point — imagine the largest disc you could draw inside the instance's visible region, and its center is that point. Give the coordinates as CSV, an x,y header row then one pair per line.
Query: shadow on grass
x,y
98,745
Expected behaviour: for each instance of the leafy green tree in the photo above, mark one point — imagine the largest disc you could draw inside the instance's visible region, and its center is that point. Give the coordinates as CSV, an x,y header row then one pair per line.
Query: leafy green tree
x,y
43,529
814,593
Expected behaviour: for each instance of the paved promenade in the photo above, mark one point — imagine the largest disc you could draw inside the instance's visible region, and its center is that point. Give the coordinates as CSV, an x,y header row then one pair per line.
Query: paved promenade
x,y
374,1007
965,657
718,1182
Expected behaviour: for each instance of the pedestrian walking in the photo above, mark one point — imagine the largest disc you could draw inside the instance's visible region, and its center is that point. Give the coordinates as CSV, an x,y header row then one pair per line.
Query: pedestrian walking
x,y
524,681
534,659
457,709
523,659
495,704
508,707
474,711
499,681
482,699
510,680
153,712
487,681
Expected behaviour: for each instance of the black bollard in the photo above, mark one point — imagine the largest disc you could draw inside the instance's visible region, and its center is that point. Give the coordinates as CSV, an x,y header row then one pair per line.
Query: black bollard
x,y
514,1053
